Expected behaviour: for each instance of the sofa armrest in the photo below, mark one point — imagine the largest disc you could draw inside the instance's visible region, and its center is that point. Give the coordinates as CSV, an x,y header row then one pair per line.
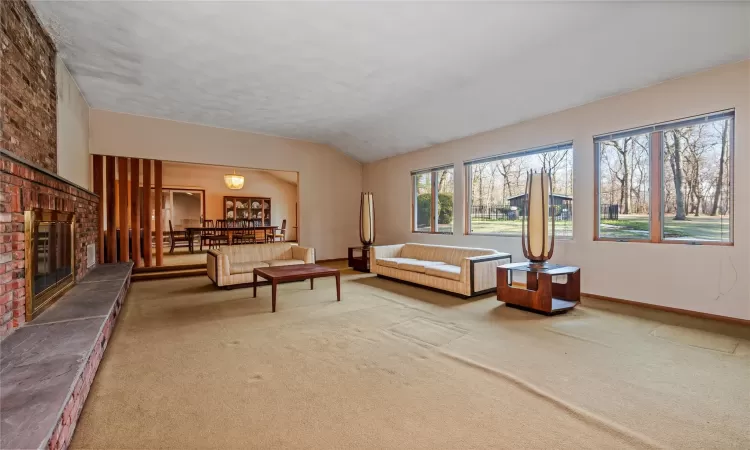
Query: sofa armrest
x,y
386,251
217,266
481,271
306,254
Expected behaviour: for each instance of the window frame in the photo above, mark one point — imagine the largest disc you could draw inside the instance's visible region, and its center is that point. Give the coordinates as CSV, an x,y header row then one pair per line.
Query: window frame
x,y
567,145
656,178
434,213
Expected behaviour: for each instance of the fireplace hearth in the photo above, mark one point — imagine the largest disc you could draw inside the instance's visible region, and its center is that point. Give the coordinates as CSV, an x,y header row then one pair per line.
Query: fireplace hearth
x,y
50,257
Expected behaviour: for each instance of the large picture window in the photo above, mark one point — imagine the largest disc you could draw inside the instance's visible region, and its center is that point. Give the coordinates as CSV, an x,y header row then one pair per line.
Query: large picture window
x,y
497,190
432,200
669,182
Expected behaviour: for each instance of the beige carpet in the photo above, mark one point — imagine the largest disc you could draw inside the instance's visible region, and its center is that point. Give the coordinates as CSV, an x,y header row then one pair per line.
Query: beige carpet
x,y
393,366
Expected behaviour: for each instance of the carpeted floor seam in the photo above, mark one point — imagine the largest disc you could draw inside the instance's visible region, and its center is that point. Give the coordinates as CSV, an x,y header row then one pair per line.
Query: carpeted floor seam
x,y
581,413
590,341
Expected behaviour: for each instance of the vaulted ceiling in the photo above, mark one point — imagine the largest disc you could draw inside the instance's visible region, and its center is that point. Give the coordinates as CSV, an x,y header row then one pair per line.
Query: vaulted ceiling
x,y
377,79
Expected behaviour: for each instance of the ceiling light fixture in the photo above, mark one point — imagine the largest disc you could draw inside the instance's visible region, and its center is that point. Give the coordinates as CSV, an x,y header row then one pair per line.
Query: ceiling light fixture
x,y
234,181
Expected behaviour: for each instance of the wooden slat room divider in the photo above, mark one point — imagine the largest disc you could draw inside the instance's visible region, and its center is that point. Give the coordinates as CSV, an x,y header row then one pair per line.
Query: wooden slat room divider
x,y
126,205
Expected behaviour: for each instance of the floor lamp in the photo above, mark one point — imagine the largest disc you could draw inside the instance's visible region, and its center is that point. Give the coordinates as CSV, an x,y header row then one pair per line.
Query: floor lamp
x,y
541,294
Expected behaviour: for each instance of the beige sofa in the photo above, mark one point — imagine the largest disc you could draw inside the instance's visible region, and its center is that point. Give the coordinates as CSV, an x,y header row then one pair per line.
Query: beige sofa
x,y
459,270
233,265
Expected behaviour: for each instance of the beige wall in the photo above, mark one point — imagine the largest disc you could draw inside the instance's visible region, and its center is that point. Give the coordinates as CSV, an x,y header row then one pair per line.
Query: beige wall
x,y
710,279
257,183
330,182
72,128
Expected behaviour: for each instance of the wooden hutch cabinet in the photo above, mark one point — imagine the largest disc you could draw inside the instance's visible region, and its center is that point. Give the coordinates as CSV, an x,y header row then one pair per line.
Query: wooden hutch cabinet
x,y
252,208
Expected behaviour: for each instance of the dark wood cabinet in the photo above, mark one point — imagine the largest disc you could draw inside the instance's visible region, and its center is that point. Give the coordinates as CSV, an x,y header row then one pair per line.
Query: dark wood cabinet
x,y
251,208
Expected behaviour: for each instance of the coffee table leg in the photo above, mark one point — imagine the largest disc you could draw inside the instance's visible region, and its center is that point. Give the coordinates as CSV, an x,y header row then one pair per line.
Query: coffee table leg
x,y
338,287
273,295
311,283
255,283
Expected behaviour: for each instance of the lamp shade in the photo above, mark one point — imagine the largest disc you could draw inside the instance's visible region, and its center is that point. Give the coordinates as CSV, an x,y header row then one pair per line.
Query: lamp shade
x,y
538,237
367,219
234,181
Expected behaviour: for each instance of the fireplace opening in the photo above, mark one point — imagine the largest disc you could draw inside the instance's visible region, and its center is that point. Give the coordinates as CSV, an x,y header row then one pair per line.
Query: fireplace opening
x,y
50,258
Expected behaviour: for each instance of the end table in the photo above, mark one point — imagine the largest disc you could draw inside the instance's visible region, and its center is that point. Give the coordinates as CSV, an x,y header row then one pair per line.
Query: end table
x,y
359,258
541,295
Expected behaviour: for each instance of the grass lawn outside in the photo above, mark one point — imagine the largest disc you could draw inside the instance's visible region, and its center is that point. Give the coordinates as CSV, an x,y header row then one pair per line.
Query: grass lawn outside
x,y
442,228
563,228
636,226
631,226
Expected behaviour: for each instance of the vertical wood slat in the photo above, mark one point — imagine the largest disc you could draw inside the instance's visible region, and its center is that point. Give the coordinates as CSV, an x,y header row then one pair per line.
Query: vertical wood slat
x,y
135,210
98,162
110,194
122,204
146,212
655,177
157,213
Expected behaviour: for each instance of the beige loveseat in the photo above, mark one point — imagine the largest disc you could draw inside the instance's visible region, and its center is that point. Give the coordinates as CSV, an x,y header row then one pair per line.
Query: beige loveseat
x,y
233,264
460,270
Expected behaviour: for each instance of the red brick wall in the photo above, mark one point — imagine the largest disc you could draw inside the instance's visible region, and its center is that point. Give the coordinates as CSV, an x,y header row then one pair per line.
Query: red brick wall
x,y
28,130
23,188
28,97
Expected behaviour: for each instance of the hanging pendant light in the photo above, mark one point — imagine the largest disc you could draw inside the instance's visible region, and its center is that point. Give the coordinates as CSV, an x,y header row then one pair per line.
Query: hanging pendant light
x,y
234,181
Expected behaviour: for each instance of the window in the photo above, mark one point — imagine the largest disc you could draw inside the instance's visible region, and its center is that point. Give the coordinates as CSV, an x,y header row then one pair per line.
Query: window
x,y
432,197
667,183
497,193
624,170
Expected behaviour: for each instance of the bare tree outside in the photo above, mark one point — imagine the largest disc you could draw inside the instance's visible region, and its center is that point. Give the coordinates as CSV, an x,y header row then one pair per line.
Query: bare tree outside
x,y
498,188
695,191
699,164
624,187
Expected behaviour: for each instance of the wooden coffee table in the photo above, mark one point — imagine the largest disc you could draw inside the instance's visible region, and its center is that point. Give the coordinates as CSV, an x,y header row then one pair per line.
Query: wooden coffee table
x,y
297,272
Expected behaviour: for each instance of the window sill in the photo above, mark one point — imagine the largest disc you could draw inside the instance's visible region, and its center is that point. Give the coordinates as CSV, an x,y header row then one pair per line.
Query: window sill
x,y
670,242
431,232
557,238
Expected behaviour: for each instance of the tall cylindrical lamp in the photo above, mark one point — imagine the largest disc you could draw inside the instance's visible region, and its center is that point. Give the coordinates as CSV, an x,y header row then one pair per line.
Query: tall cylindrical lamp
x,y
537,236
367,219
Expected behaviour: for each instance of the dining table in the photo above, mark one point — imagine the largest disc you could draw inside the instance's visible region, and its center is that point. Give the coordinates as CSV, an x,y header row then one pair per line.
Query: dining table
x,y
192,232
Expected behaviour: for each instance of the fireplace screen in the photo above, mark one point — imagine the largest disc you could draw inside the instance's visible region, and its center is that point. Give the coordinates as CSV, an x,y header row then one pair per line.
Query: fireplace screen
x,y
49,258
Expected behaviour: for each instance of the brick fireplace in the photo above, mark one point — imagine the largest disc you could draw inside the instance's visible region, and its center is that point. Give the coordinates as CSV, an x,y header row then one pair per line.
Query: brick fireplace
x,y
25,187
28,156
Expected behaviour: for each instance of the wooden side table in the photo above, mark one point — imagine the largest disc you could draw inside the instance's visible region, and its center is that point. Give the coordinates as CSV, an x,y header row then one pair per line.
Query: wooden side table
x,y
359,258
541,295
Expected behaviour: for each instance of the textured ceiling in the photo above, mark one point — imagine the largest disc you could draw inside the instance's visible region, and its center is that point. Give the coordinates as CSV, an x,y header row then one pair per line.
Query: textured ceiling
x,y
378,79
283,175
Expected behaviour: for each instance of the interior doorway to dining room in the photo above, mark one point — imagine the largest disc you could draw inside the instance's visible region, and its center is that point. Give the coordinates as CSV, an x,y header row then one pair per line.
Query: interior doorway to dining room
x,y
197,207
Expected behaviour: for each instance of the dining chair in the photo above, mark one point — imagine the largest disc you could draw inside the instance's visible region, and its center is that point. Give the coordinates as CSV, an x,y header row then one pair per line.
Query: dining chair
x,y
243,235
220,236
177,237
205,235
259,232
280,234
